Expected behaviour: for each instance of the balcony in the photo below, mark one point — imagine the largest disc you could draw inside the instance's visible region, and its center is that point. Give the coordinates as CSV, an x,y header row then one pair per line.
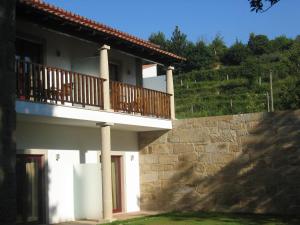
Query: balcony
x,y
44,84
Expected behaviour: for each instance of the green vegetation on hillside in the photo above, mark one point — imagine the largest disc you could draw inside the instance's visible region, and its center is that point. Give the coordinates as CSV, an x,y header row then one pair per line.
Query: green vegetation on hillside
x,y
219,80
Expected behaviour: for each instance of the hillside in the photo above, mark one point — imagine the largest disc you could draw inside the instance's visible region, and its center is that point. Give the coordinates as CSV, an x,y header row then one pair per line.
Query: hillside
x,y
219,80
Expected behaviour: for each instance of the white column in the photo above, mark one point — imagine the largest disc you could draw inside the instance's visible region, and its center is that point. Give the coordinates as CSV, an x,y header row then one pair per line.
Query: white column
x,y
104,73
170,90
106,171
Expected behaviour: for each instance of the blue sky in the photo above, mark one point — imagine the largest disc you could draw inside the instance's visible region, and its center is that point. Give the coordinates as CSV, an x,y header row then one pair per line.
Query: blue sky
x,y
199,19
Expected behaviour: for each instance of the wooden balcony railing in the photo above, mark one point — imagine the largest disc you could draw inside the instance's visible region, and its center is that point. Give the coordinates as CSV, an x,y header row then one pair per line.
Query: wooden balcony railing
x,y
40,83
132,99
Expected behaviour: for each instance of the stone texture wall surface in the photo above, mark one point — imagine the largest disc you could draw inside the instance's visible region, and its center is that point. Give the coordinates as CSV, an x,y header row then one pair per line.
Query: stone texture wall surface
x,y
239,163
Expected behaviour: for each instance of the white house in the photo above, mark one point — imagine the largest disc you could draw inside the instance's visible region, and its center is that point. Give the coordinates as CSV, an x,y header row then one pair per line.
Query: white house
x,y
80,105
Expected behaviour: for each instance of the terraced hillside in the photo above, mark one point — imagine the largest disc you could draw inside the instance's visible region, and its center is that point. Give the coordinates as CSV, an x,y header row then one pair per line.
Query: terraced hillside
x,y
197,97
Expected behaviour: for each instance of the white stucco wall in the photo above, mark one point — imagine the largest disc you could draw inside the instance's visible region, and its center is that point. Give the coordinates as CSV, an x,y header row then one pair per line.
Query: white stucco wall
x,y
132,181
76,54
150,71
73,174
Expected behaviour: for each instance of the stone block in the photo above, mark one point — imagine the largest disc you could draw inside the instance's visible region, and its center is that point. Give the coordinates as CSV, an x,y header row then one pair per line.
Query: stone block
x,y
149,177
217,147
148,159
181,148
166,159
165,175
204,157
199,148
234,148
188,157
222,158
162,148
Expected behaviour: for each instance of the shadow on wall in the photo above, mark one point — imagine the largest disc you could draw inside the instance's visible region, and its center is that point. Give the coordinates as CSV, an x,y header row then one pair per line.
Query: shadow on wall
x,y
257,171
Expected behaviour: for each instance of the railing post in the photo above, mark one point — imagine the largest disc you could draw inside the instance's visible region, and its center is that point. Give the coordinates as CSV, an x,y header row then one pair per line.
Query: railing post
x,y
170,90
104,73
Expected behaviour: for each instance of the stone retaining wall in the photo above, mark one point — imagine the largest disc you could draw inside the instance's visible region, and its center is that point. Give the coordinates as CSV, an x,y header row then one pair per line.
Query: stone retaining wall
x,y
239,163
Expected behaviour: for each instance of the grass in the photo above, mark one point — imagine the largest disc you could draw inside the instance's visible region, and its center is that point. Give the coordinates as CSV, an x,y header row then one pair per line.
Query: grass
x,y
210,219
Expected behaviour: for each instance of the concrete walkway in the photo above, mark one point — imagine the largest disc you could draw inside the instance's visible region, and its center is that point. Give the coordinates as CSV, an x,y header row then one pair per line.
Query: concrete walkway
x,y
80,222
118,216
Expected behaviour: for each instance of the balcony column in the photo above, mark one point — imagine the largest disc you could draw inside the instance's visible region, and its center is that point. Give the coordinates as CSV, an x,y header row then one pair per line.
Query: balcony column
x,y
106,171
170,90
104,73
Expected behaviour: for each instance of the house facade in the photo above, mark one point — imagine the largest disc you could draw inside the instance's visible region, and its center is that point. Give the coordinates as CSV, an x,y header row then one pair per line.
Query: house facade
x,y
80,106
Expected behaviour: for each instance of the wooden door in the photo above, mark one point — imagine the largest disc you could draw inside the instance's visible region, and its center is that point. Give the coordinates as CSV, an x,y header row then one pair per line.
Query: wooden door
x,y
29,174
116,183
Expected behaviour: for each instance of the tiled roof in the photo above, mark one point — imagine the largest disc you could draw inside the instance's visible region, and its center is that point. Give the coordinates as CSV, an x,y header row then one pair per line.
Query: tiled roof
x,y
69,16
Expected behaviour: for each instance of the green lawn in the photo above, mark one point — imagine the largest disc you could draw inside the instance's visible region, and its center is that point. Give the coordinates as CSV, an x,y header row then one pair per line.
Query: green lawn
x,y
210,219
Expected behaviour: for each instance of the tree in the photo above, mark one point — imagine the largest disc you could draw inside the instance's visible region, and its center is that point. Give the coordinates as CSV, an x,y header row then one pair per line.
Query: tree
x,y
199,56
178,45
258,44
259,5
8,115
251,69
280,43
236,54
178,42
218,48
159,38
294,56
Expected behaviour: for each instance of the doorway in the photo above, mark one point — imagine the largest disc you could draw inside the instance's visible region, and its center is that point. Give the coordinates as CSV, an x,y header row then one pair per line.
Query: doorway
x,y
29,176
116,183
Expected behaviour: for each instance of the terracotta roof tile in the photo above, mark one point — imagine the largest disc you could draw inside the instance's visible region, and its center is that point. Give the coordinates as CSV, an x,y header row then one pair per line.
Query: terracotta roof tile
x,y
69,16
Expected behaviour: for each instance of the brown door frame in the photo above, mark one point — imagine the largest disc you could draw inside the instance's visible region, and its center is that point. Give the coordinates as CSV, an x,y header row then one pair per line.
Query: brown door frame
x,y
118,159
41,185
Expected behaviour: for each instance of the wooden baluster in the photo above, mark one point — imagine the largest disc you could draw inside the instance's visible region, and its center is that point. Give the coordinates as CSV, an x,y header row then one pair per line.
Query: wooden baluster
x,y
158,104
79,89
33,74
87,90
136,106
66,94
71,85
18,77
145,100
119,96
75,87
38,82
116,93
62,90
142,101
53,89
112,96
48,82
95,92
83,90
44,95
99,82
57,85
131,98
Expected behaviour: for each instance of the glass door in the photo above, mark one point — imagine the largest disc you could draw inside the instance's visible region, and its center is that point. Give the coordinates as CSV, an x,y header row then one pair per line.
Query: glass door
x,y
116,183
29,189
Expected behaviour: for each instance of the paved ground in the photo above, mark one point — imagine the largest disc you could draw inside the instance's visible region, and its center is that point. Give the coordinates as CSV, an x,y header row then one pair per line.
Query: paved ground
x,y
83,222
119,216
